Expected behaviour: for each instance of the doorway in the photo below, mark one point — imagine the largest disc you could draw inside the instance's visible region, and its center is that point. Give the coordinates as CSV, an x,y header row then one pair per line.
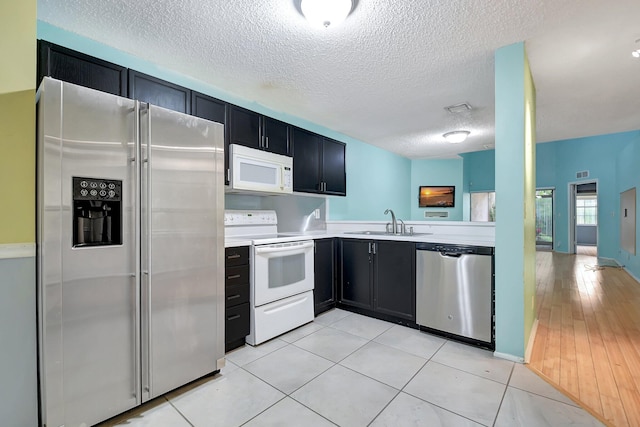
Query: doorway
x,y
544,219
584,218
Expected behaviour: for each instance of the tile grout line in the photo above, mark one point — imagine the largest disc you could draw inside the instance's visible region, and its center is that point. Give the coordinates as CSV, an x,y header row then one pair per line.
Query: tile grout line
x,y
179,412
504,393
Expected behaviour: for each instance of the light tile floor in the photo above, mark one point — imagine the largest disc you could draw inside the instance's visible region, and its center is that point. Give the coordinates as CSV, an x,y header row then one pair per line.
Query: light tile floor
x,y
350,370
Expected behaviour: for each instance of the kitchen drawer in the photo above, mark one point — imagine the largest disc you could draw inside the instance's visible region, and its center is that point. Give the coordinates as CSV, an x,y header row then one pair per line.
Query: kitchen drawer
x,y
236,325
236,295
236,275
236,256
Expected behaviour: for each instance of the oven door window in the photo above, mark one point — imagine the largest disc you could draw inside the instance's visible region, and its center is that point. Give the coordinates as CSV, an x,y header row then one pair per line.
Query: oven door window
x,y
286,270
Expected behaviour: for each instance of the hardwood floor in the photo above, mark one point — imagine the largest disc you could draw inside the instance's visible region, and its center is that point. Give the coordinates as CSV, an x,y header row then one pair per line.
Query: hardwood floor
x,y
588,337
587,250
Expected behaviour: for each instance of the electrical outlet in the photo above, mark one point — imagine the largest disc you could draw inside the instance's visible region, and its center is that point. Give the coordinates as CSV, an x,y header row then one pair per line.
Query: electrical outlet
x,y
316,213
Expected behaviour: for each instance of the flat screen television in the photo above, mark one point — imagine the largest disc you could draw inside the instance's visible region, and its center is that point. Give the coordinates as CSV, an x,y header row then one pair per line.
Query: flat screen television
x,y
430,196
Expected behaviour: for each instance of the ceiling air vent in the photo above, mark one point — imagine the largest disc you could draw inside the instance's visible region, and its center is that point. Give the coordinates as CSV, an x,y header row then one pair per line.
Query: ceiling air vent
x,y
436,214
582,174
458,108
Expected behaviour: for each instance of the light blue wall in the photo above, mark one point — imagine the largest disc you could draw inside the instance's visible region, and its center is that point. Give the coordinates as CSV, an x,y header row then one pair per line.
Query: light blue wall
x,y
18,366
510,70
611,159
376,179
437,172
598,155
628,176
480,170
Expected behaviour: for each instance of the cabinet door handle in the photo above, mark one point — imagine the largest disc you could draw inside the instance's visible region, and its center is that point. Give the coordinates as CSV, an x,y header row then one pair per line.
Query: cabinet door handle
x,y
266,141
369,247
234,317
231,297
234,256
233,276
374,247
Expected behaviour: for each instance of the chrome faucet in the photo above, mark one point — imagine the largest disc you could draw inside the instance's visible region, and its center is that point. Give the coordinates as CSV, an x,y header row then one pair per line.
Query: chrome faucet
x,y
394,223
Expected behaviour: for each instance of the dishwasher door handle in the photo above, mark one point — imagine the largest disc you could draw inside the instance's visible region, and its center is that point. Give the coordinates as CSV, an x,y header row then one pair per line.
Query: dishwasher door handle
x,y
451,254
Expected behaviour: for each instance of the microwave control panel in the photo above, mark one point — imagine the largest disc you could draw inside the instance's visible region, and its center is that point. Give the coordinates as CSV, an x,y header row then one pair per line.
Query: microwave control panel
x,y
287,177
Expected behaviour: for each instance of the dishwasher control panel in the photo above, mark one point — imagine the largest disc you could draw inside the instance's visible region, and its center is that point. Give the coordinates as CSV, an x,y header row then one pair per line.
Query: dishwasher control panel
x,y
455,249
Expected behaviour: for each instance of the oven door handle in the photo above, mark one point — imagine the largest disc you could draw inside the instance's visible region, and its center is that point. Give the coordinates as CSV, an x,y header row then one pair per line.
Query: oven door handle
x,y
296,248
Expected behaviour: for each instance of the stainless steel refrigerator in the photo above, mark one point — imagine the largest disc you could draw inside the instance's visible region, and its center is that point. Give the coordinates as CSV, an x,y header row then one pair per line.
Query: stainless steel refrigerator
x,y
130,252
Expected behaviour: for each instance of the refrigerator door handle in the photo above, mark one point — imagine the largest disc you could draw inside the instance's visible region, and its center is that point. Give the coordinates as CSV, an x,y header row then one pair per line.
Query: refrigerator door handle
x,y
136,226
145,204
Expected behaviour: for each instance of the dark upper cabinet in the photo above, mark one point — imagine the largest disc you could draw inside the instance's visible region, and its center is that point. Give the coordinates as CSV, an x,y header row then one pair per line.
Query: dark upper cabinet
x,y
244,127
318,164
74,67
334,167
356,273
213,109
395,279
325,275
254,130
275,136
209,108
379,277
307,148
158,92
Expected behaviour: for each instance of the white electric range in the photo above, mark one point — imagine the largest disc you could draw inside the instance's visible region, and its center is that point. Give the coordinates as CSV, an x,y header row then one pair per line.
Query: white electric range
x,y
282,273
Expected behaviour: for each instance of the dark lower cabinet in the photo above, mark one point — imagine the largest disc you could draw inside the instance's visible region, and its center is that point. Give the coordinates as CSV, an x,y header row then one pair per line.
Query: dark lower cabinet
x,y
237,314
325,275
158,92
77,68
394,291
378,278
356,269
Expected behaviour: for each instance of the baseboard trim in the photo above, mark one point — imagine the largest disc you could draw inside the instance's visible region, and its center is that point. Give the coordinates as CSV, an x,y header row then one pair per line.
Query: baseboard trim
x,y
631,274
532,338
17,250
507,356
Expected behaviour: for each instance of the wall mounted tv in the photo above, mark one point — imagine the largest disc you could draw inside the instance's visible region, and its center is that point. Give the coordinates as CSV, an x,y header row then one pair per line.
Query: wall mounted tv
x,y
436,196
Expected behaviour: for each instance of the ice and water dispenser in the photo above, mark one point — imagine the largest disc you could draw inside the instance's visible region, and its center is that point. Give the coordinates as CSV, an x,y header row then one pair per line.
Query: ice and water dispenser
x,y
97,212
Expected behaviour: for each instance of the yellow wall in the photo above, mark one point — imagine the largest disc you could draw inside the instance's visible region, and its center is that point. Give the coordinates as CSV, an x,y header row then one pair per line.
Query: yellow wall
x,y
17,121
529,200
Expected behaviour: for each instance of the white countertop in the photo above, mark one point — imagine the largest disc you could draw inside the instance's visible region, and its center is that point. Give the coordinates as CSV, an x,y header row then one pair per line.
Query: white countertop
x,y
456,239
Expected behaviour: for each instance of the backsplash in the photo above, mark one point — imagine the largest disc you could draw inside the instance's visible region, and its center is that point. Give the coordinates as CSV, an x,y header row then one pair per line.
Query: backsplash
x,y
296,213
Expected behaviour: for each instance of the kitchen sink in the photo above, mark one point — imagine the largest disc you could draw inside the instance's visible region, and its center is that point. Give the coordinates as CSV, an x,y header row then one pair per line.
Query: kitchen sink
x,y
384,233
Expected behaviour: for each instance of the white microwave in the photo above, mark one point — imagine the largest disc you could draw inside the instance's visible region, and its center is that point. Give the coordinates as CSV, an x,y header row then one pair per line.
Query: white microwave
x,y
259,171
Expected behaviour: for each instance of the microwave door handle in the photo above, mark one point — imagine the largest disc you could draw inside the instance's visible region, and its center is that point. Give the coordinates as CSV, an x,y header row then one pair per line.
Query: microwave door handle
x,y
297,248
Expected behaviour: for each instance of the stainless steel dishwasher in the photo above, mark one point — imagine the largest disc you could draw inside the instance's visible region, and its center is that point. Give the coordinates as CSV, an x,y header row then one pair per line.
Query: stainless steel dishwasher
x,y
454,290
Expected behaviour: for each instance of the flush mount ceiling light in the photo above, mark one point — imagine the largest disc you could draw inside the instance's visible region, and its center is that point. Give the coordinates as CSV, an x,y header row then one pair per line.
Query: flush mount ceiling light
x,y
456,136
636,53
326,13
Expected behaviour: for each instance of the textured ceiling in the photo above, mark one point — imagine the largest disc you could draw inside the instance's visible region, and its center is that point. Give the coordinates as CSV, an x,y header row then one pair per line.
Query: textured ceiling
x,y
385,74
